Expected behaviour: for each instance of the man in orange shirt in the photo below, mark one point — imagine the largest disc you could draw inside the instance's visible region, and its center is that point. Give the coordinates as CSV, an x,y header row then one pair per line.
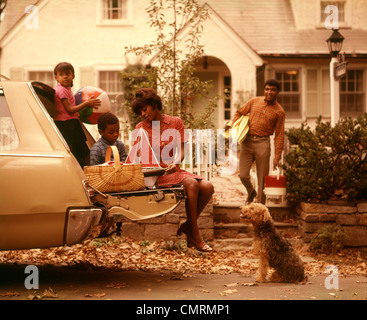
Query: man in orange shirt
x,y
266,117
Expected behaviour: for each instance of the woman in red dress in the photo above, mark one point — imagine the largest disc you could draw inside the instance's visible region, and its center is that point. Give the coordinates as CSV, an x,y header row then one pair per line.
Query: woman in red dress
x,y
199,191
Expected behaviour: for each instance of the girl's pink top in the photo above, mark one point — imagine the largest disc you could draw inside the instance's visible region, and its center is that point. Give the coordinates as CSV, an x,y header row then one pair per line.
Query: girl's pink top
x,y
169,122
60,112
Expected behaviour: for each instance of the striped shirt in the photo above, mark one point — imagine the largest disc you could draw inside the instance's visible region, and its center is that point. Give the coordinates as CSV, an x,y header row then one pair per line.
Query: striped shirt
x,y
264,119
98,151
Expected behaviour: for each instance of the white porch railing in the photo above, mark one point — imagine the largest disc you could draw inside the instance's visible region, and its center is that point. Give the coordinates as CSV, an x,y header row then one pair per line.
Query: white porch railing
x,y
200,158
200,153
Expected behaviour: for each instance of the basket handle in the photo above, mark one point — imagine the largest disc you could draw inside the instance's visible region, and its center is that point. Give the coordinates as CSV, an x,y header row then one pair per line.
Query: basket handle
x,y
116,156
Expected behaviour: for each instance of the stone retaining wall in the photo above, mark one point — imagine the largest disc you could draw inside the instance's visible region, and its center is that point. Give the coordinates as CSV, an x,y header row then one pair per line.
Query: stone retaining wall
x,y
165,227
352,218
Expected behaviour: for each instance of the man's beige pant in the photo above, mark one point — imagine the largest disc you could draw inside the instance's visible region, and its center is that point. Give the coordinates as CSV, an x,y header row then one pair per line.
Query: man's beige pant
x,y
255,149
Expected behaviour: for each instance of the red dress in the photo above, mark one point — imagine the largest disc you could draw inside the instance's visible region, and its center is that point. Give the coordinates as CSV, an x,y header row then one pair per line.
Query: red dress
x,y
168,141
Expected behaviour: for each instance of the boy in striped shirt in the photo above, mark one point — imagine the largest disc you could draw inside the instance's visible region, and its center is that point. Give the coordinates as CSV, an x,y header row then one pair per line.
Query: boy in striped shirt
x,y
109,129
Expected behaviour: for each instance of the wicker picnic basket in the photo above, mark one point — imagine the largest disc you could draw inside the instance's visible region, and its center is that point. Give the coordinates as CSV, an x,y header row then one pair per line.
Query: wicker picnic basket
x,y
116,177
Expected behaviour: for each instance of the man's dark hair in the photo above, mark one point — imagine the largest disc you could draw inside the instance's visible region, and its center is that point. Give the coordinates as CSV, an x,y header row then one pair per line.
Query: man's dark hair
x,y
273,83
105,119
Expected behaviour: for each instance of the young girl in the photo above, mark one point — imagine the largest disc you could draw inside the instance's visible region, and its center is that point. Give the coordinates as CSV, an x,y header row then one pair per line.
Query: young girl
x,y
66,111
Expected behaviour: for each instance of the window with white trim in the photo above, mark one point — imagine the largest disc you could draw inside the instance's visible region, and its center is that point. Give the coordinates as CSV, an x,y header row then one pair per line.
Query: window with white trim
x,y
110,81
46,77
115,12
343,12
352,93
290,92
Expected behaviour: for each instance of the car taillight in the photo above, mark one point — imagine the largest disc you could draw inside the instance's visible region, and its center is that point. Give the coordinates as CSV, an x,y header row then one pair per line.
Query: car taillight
x,y
81,224
88,190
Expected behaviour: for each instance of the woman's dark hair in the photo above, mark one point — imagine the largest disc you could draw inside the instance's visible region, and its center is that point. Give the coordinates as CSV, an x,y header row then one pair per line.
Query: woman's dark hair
x,y
145,97
273,83
63,66
105,119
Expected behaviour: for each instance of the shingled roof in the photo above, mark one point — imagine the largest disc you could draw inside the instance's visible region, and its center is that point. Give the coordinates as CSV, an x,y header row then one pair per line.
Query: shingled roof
x,y
14,12
269,27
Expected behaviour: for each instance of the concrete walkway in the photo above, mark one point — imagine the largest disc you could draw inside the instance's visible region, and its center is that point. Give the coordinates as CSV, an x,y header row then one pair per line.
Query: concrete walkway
x,y
74,284
229,189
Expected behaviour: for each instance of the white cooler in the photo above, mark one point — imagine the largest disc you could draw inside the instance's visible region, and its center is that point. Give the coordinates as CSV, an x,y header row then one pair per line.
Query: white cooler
x,y
275,190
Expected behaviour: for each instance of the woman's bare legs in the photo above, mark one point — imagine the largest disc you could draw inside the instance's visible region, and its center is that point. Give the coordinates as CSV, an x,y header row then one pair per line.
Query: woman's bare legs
x,y
198,195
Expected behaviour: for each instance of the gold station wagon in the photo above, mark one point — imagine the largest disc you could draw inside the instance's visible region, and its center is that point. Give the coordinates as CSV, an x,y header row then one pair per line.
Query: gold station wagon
x,y
45,199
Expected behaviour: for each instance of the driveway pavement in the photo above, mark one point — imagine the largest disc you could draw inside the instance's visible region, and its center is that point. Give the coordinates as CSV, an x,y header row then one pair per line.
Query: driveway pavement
x,y
68,283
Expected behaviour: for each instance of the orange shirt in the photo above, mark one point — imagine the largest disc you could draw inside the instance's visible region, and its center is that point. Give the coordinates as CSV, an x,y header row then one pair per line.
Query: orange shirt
x,y
264,120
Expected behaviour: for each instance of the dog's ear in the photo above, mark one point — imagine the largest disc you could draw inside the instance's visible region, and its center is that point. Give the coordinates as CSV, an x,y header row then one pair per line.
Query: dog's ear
x,y
252,206
254,210
266,215
261,212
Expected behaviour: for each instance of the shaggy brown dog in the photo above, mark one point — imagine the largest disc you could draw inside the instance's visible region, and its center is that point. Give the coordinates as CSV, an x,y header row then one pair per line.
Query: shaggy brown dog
x,y
274,250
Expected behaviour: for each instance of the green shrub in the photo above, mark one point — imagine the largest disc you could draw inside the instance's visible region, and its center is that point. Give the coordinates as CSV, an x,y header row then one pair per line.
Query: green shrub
x,y
173,245
328,240
327,162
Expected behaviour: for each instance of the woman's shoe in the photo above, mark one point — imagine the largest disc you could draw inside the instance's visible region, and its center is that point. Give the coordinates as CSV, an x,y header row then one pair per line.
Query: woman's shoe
x,y
182,229
201,246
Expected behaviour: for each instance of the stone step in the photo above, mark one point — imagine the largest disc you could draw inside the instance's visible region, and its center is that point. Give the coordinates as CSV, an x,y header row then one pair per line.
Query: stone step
x,y
242,243
231,244
244,230
227,212
230,212
232,230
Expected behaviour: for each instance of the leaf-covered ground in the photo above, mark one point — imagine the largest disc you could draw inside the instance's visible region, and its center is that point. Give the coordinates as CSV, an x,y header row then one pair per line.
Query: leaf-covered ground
x,y
117,253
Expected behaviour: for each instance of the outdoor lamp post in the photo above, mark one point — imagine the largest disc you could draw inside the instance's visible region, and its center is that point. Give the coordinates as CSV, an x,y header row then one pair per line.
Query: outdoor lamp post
x,y
335,43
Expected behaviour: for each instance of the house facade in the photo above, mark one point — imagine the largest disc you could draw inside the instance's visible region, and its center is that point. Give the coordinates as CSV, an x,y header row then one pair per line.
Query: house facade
x,y
245,43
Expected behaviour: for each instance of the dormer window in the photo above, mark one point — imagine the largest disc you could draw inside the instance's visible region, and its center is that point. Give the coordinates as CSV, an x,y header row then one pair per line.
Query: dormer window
x,y
115,12
343,12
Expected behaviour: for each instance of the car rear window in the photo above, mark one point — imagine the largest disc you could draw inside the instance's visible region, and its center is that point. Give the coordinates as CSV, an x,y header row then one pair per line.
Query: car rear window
x,y
9,139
